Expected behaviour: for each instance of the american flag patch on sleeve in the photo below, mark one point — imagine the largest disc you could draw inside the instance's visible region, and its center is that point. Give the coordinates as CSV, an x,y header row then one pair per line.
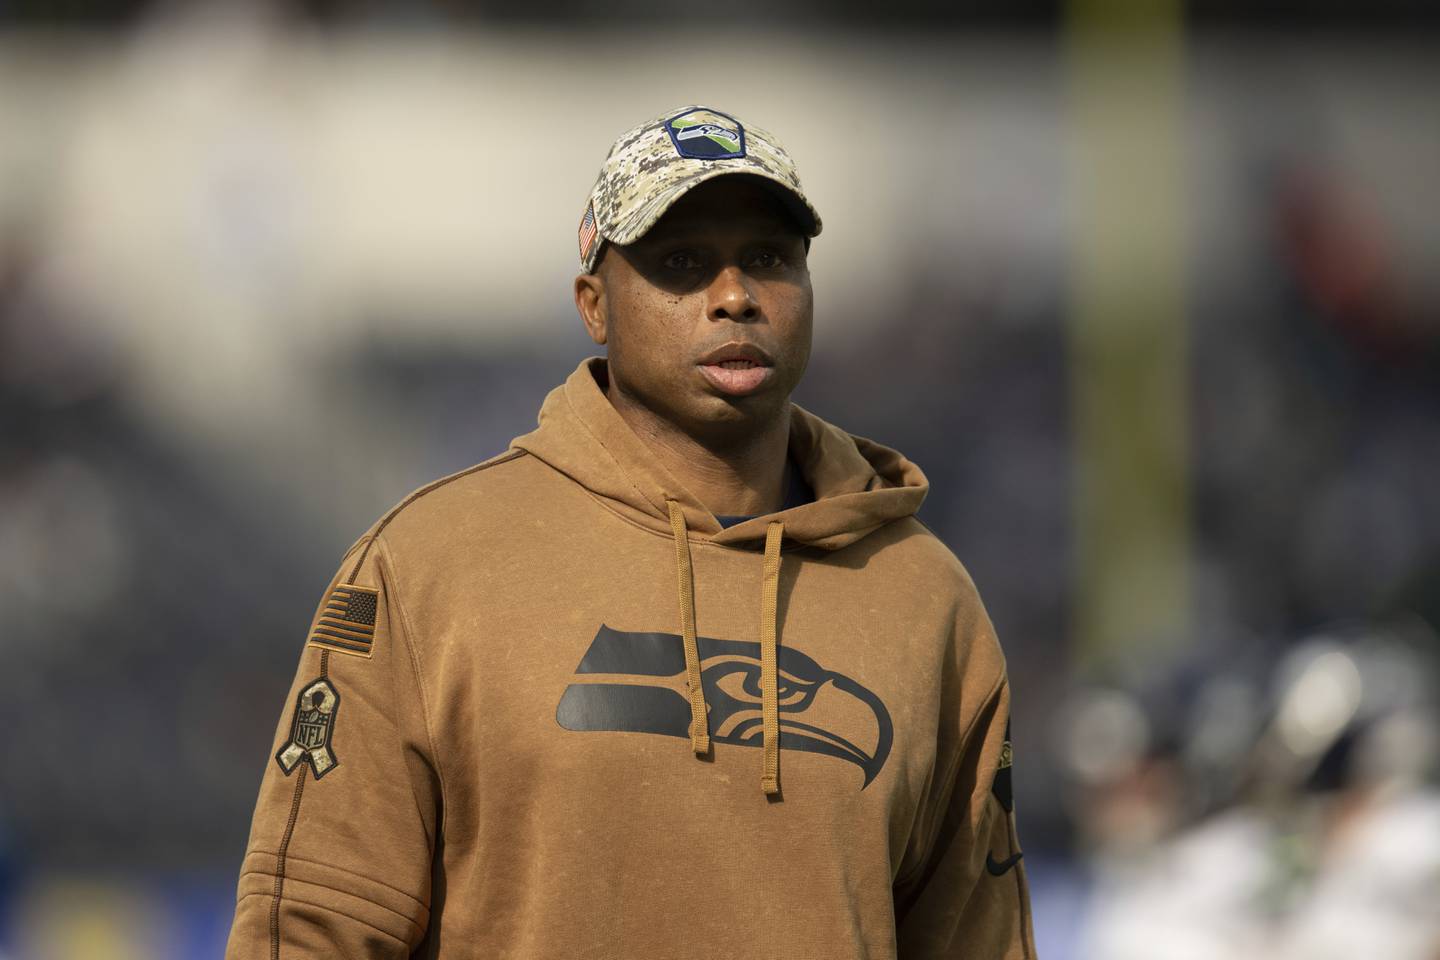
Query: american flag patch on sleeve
x,y
347,621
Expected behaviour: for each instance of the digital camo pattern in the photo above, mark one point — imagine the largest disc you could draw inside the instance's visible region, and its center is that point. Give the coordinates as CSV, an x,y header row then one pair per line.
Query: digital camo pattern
x,y
652,165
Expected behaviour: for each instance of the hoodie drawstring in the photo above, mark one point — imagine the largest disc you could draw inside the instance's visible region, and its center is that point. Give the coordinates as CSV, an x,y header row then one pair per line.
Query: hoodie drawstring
x,y
769,653
699,726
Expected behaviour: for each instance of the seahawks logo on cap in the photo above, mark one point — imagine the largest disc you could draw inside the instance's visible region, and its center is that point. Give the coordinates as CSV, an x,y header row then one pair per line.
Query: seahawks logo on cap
x,y
702,134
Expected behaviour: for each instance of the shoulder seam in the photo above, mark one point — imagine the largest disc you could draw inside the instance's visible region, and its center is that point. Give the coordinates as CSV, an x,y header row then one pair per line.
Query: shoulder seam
x,y
510,454
949,550
926,527
412,648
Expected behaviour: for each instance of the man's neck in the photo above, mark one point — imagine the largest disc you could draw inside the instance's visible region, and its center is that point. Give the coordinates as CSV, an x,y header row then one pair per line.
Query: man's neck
x,y
744,478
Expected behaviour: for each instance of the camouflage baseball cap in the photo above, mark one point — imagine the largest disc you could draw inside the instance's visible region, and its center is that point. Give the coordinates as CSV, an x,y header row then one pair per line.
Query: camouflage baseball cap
x,y
651,166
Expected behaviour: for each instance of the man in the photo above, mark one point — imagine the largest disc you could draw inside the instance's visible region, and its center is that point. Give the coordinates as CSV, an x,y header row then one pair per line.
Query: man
x,y
537,696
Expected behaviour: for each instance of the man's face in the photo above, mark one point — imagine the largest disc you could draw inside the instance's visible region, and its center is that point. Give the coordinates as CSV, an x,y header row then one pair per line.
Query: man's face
x,y
725,264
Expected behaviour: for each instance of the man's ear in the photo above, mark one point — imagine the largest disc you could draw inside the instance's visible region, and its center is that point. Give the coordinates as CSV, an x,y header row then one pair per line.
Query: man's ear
x,y
590,302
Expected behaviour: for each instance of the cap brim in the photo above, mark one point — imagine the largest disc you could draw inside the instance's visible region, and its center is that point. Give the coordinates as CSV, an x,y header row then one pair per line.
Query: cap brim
x,y
649,214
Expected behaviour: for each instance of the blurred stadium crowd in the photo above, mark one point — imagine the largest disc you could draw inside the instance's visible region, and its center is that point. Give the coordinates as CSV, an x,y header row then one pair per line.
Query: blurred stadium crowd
x,y
193,426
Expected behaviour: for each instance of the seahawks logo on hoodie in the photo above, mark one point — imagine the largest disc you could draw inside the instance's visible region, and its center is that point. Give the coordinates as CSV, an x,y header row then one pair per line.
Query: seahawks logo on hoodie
x,y
811,698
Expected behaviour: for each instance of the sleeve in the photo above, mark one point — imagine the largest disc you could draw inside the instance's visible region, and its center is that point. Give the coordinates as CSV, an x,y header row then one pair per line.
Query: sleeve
x,y
339,860
968,895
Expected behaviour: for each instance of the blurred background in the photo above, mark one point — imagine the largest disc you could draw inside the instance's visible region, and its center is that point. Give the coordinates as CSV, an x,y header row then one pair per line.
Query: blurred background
x,y
1148,289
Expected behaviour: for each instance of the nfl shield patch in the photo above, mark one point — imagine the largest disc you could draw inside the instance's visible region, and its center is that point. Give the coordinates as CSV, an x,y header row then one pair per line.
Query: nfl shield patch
x,y
706,135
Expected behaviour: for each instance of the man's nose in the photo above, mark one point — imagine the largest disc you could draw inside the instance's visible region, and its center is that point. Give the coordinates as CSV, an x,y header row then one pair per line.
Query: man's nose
x,y
730,297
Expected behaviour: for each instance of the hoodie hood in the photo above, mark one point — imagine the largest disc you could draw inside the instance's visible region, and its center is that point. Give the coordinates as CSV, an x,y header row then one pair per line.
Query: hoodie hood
x,y
859,486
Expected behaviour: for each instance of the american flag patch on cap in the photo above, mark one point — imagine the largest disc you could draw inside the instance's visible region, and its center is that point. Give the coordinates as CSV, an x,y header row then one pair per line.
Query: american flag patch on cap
x,y
347,621
587,230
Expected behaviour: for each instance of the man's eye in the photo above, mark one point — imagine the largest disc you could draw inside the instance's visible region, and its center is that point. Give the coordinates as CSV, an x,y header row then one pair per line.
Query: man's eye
x,y
766,259
681,260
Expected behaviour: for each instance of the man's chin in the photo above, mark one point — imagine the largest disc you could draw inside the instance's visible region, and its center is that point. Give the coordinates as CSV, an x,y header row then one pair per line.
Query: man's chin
x,y
730,418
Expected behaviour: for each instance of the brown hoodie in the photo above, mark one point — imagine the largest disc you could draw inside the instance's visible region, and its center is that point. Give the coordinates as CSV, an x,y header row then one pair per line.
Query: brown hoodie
x,y
549,708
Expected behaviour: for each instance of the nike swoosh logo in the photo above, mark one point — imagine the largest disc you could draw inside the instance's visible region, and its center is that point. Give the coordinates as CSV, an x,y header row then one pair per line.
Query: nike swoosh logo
x,y
999,869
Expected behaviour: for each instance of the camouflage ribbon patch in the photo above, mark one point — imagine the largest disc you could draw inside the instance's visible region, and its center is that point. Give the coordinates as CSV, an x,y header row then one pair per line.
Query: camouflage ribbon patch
x,y
311,730
347,621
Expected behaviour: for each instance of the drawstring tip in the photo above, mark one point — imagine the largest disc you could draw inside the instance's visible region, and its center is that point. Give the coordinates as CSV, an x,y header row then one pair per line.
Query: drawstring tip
x,y
700,744
770,785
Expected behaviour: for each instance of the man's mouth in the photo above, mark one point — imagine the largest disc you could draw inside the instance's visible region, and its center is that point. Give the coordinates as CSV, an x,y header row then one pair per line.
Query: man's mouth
x,y
737,377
